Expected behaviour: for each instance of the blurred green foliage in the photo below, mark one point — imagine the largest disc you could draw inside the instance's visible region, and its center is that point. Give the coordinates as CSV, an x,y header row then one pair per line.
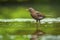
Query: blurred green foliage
x,y
20,11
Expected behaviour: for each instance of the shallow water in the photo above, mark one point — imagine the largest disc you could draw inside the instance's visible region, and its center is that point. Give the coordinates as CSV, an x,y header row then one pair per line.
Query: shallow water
x,y
15,27
27,37
49,20
28,26
51,37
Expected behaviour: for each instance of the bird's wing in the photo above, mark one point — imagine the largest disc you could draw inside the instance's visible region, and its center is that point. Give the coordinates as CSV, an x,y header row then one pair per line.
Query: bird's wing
x,y
39,15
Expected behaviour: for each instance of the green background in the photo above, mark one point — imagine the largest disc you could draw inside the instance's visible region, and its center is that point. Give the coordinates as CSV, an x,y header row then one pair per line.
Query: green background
x,y
11,9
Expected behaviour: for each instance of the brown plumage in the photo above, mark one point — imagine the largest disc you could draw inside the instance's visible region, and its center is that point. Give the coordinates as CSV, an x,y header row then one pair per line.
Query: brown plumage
x,y
36,15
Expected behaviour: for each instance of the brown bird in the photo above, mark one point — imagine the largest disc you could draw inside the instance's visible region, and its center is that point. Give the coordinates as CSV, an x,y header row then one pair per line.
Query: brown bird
x,y
36,15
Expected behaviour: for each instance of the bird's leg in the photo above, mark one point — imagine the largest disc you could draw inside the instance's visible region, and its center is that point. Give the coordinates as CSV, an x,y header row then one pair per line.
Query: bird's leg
x,y
39,21
37,25
36,20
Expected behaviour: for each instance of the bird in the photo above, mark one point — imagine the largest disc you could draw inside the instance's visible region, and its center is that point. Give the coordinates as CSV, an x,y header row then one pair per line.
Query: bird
x,y
36,14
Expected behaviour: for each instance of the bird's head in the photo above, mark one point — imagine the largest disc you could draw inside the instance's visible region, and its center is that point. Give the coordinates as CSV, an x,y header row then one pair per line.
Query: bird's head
x,y
31,10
